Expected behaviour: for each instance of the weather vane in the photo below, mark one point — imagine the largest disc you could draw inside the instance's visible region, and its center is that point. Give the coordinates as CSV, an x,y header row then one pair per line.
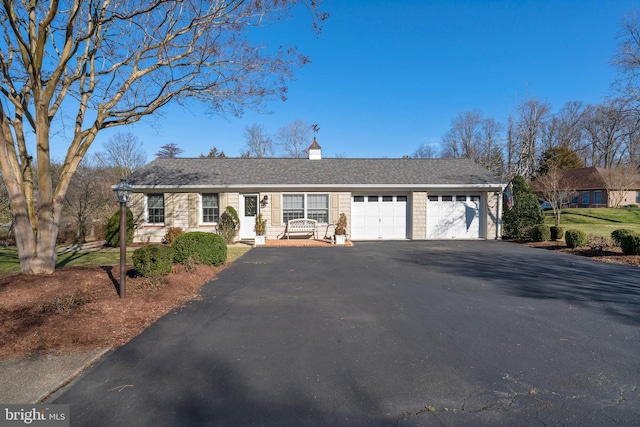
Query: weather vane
x,y
315,128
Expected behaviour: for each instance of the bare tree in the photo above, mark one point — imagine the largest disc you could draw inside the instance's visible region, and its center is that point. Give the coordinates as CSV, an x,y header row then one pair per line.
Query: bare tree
x,y
122,151
89,199
609,126
475,137
424,151
169,151
566,129
627,59
527,131
295,139
556,188
258,142
491,148
214,153
5,206
462,138
107,63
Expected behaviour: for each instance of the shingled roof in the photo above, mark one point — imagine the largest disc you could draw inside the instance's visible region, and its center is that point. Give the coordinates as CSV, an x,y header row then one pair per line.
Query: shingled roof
x,y
282,172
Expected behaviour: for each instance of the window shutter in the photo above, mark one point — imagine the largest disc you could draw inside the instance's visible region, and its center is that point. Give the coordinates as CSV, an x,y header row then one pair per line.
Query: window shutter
x,y
335,208
193,210
276,211
137,208
168,209
224,201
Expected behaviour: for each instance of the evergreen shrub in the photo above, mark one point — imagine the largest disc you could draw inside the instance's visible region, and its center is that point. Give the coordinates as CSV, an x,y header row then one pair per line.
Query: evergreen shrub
x,y
556,232
525,212
153,260
540,233
199,247
618,235
630,244
575,238
112,230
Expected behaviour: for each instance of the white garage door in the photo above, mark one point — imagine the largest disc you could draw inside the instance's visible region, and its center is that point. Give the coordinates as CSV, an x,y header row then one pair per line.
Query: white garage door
x,y
379,217
454,216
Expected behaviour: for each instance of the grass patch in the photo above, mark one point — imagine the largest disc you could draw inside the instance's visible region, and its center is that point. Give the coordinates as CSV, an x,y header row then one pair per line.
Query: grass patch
x,y
9,262
597,221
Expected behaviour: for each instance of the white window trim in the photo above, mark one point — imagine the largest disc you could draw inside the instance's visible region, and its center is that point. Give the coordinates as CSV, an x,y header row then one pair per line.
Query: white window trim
x,y
201,210
306,205
146,209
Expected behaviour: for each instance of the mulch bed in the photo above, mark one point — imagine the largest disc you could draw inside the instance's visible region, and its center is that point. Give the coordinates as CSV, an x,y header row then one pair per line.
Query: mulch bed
x,y
612,255
77,309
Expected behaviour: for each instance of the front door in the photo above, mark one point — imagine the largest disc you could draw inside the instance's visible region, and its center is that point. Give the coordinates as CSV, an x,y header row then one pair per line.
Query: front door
x,y
248,212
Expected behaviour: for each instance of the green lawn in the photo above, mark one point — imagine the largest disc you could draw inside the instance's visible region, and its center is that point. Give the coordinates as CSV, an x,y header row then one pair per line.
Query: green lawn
x,y
597,221
9,262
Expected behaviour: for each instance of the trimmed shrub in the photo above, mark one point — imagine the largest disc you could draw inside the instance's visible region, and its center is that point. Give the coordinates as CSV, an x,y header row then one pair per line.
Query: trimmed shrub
x,y
617,235
556,232
200,247
112,231
575,238
171,234
630,244
153,260
540,233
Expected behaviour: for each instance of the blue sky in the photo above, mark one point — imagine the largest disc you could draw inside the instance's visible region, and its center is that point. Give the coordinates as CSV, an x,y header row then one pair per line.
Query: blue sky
x,y
388,76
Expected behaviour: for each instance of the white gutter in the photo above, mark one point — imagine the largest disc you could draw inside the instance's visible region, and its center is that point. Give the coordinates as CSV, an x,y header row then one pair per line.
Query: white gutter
x,y
333,186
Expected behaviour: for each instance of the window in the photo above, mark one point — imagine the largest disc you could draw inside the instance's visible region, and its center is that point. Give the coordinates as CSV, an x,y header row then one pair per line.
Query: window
x,y
585,197
402,198
312,206
358,199
292,206
597,197
387,198
155,208
210,208
475,199
433,198
318,207
372,198
638,197
447,198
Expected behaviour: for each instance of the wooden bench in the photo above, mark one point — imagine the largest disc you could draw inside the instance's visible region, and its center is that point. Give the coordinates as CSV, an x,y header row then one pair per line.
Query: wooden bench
x,y
301,226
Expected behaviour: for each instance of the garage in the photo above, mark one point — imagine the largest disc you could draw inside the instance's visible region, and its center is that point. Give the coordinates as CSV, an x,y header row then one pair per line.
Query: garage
x,y
379,217
454,216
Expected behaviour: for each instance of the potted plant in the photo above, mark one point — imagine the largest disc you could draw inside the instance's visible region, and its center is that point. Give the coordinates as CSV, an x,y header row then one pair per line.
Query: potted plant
x,y
341,230
261,230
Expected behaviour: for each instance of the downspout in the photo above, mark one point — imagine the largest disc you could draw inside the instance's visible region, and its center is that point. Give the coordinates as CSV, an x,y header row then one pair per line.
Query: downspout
x,y
499,216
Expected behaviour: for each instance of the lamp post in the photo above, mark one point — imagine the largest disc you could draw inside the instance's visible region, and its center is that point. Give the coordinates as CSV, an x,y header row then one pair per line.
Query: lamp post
x,y
123,194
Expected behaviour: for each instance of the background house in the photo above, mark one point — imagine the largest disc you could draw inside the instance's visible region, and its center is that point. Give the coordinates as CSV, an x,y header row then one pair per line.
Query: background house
x,y
382,198
600,187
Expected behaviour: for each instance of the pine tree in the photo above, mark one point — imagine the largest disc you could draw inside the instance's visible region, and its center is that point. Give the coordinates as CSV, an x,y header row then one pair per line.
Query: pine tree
x,y
525,212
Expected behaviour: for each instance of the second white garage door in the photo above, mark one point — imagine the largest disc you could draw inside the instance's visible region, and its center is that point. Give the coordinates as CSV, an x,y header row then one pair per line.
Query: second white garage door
x,y
454,216
379,217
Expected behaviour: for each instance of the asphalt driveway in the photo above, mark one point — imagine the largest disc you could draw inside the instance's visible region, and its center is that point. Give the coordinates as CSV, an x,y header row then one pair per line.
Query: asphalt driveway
x,y
385,333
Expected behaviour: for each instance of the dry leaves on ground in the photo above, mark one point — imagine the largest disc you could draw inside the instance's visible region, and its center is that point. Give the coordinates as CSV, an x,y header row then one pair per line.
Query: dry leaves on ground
x,y
78,309
611,255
